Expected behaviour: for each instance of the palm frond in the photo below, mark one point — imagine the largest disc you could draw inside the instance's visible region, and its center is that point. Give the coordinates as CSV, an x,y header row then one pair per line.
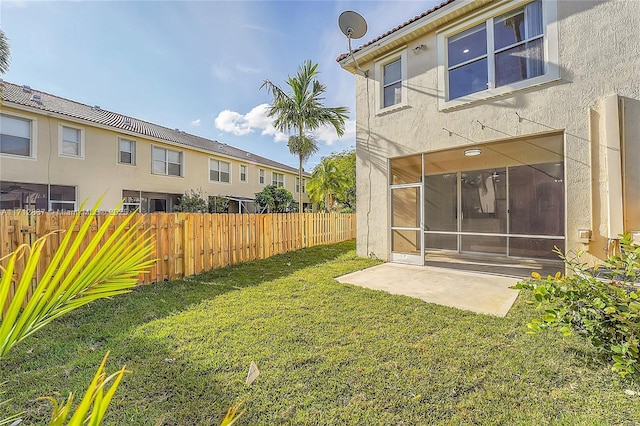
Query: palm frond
x,y
72,279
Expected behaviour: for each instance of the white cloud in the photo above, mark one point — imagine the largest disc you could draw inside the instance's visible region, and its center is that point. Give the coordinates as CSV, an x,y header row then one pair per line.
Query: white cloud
x,y
329,135
196,122
256,119
232,122
247,70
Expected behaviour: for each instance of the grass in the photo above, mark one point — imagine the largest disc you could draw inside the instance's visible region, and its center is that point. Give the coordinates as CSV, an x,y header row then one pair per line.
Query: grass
x,y
328,354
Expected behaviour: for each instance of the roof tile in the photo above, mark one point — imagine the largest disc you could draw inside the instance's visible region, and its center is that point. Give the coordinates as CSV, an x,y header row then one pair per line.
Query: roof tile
x,y
398,28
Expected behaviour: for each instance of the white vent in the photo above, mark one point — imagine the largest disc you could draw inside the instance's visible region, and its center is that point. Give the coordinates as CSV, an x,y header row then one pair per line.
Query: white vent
x,y
35,97
96,108
26,89
127,121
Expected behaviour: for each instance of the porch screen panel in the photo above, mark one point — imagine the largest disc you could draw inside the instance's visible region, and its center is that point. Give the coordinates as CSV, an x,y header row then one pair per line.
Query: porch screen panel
x,y
405,210
406,170
484,195
440,211
405,213
538,248
484,244
536,200
405,241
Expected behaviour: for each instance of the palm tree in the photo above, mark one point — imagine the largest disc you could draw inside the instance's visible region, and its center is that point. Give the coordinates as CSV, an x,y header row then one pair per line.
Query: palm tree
x,y
326,181
304,147
4,53
303,111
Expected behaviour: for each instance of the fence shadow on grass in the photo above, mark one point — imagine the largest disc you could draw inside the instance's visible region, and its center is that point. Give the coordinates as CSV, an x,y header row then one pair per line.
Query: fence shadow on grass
x,y
151,302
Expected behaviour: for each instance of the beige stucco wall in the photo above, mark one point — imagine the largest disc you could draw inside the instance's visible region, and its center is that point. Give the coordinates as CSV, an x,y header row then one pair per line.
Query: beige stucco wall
x,y
99,171
598,53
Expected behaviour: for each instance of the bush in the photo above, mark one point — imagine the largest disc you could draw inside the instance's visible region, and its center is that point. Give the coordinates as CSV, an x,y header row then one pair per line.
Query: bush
x,y
275,200
601,304
192,202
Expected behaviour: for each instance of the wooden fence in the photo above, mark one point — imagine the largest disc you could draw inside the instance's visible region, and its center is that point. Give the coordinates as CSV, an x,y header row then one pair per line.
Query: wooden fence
x,y
186,243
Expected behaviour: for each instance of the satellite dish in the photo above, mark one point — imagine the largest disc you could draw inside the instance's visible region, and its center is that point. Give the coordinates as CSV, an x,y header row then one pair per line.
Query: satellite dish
x,y
352,24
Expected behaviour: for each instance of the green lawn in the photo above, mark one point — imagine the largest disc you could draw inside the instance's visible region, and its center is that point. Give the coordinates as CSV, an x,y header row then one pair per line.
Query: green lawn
x,y
328,353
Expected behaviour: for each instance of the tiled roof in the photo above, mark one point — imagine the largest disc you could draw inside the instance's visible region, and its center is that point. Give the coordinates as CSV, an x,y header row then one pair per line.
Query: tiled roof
x,y
399,27
12,93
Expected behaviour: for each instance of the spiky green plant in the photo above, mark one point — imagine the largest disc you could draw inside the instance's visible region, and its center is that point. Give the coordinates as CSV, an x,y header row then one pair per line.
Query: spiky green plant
x,y
92,408
101,270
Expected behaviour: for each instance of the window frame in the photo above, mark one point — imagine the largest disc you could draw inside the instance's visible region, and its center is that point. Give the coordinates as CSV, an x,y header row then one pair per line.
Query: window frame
x,y
379,65
133,151
275,182
73,203
304,185
61,141
219,161
262,176
243,170
549,42
33,145
166,161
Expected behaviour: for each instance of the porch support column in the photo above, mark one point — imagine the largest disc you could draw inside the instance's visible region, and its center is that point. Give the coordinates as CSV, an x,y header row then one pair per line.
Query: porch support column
x,y
612,162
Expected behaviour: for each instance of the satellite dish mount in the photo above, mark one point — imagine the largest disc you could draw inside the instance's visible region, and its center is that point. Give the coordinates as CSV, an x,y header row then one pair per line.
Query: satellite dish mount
x,y
353,26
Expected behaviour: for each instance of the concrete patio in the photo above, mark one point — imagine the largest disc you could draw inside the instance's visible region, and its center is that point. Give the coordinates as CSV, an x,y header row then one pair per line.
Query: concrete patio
x,y
473,291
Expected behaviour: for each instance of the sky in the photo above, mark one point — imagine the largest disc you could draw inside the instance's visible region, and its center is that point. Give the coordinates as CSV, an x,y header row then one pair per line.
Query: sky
x,y
193,65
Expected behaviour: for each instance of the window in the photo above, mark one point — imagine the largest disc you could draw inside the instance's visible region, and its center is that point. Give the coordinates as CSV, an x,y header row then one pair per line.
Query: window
x,y
157,205
277,179
391,72
16,136
71,142
31,196
503,52
243,173
166,162
126,151
148,202
392,83
261,176
219,171
130,201
304,185
62,198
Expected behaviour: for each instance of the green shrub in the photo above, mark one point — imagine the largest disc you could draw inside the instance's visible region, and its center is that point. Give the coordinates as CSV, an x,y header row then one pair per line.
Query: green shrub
x,y
601,304
192,202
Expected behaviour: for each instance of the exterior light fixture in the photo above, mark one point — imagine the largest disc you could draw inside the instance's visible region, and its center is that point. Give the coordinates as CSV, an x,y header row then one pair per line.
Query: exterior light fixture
x,y
419,48
472,152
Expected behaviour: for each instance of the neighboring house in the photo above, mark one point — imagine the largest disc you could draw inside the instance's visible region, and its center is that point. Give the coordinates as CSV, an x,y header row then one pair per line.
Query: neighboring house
x,y
56,153
501,128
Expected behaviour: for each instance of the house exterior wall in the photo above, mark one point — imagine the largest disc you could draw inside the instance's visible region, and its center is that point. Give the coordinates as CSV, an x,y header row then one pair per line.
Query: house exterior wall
x,y
100,172
598,51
